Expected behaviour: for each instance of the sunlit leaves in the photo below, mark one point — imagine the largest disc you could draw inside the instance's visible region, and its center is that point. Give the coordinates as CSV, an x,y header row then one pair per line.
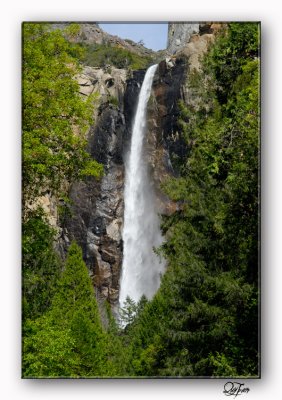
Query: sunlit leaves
x,y
68,340
55,117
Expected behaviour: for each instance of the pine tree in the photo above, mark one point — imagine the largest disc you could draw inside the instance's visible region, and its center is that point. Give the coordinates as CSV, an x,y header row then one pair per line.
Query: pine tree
x,y
69,339
41,265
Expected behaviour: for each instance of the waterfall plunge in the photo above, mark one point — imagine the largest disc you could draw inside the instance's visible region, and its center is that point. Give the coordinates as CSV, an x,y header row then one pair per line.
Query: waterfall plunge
x,y
141,268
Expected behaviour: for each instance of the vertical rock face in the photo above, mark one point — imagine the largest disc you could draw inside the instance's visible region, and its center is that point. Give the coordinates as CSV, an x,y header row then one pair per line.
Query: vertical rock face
x,y
164,144
167,91
133,87
179,34
97,207
95,214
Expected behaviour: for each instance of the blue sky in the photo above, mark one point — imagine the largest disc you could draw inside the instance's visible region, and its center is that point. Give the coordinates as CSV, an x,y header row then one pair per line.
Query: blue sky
x,y
154,36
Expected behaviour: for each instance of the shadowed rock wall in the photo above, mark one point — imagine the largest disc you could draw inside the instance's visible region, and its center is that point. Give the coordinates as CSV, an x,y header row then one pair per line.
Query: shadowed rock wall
x,y
95,214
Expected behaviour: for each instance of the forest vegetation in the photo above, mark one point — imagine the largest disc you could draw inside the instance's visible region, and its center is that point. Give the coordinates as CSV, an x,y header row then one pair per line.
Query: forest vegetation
x,y
204,319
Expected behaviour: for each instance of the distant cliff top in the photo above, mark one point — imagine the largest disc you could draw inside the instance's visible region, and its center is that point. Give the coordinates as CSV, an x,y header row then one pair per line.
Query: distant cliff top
x,y
92,33
180,33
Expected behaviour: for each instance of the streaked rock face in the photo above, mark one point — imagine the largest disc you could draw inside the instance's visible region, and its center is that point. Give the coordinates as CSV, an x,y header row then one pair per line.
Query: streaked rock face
x,y
163,141
179,34
96,207
96,210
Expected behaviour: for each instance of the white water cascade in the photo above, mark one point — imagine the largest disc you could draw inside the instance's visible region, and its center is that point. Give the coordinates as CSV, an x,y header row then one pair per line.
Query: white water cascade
x,y
141,268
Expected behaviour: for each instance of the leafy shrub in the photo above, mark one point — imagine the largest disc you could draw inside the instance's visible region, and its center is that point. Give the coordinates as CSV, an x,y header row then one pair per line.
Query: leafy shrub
x,y
113,100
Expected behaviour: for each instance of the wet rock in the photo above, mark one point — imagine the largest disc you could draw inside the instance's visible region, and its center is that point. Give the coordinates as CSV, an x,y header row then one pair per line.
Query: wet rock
x,y
113,296
164,111
133,87
98,226
163,142
106,137
108,257
96,207
114,229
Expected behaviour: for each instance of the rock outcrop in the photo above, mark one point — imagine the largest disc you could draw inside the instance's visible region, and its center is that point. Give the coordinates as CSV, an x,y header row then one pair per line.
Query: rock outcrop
x,y
179,34
92,33
199,44
164,144
191,39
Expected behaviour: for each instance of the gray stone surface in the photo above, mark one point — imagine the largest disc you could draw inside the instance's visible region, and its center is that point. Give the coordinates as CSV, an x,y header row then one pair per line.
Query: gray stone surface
x,y
179,34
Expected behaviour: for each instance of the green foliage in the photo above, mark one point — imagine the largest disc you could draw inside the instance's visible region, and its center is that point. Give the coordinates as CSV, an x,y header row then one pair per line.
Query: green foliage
x,y
72,31
101,55
113,100
117,347
41,266
91,168
68,340
47,350
220,366
203,321
52,108
75,290
237,44
128,311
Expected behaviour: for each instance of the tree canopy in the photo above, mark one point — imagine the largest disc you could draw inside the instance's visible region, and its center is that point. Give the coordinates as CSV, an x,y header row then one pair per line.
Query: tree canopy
x,y
55,117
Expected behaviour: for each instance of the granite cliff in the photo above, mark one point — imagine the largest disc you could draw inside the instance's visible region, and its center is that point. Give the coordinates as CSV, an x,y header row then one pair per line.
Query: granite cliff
x,y
94,215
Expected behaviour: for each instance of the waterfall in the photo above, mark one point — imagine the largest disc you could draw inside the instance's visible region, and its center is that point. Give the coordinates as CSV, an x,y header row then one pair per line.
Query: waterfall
x,y
141,267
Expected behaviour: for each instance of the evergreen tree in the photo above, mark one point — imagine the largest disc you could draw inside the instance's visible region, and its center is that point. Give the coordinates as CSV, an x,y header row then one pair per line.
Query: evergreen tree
x,y
128,312
41,266
73,322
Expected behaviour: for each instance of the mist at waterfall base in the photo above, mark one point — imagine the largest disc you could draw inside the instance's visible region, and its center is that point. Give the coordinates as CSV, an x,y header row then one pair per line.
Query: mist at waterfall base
x,y
141,267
